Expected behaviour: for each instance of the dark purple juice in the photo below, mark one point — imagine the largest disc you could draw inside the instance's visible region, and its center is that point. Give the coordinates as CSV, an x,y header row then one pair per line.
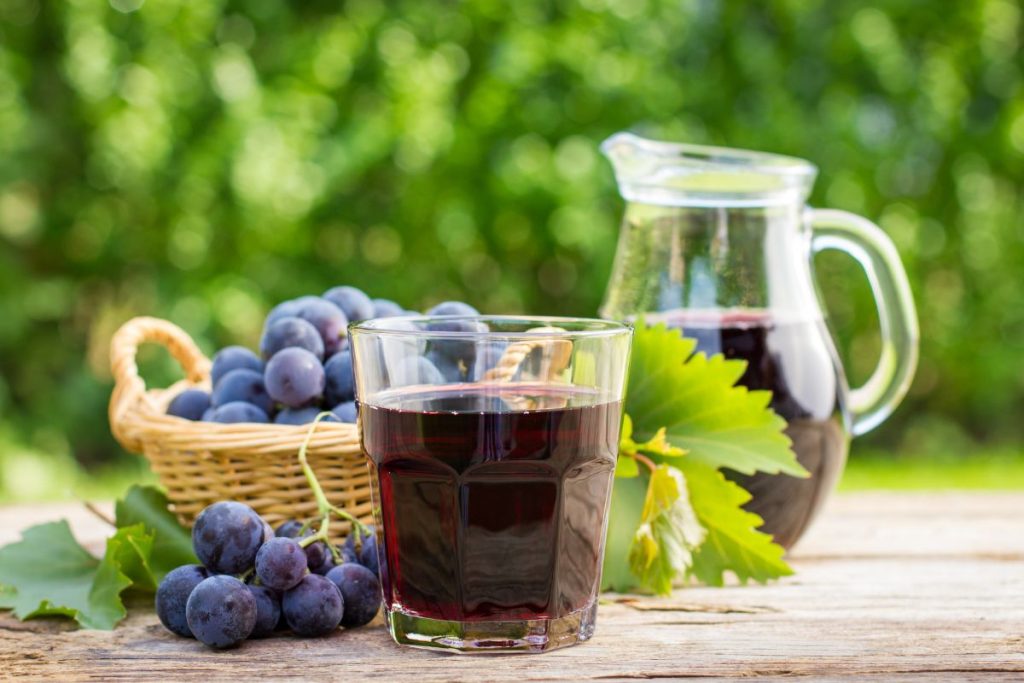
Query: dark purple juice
x,y
492,501
795,360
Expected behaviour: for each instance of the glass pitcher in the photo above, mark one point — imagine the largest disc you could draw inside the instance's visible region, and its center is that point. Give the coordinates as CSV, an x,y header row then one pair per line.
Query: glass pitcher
x,y
719,243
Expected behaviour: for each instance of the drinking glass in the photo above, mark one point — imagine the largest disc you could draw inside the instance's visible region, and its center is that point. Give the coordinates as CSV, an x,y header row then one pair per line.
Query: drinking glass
x,y
491,443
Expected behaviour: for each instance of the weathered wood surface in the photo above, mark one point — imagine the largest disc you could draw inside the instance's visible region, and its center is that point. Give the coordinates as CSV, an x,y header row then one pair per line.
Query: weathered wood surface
x,y
889,586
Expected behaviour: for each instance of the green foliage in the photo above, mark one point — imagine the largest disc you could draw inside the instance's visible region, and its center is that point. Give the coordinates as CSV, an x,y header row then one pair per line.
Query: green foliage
x,y
697,405
690,521
172,543
52,575
669,531
202,160
48,573
733,542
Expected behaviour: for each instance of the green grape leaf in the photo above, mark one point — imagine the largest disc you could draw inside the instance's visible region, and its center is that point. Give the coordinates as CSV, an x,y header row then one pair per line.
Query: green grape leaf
x,y
49,573
626,467
732,541
700,409
663,545
172,544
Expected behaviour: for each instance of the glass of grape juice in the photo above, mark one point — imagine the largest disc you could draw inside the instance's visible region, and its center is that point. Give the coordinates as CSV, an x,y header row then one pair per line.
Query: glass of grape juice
x,y
491,444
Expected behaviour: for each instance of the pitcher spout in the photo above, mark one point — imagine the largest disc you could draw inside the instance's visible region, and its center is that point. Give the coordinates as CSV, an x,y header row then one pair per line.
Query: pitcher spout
x,y
677,174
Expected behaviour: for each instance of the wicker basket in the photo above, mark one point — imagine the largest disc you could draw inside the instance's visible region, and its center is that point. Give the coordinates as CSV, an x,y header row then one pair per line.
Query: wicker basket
x,y
200,463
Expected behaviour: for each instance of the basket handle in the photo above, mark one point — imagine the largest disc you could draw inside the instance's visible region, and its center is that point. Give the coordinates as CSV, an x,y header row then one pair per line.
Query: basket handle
x,y
559,354
129,387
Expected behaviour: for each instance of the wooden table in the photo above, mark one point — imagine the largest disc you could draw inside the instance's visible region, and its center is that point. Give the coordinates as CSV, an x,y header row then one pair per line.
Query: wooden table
x,y
888,586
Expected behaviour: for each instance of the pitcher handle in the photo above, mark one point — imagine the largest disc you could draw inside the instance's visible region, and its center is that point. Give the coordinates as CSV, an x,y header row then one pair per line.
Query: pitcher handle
x,y
871,403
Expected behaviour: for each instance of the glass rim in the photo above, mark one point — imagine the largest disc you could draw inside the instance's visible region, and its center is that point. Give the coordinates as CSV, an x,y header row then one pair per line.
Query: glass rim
x,y
589,327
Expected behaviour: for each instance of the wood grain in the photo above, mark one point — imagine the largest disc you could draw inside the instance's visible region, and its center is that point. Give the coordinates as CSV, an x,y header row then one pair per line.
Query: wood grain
x,y
888,586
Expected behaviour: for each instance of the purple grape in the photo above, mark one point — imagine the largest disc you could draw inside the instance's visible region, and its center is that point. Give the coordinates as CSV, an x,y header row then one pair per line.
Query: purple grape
x,y
368,555
295,377
314,607
281,563
226,537
328,320
233,358
300,416
360,591
366,552
189,404
449,368
412,370
327,565
353,302
340,381
268,611
288,529
221,611
242,385
346,412
456,349
315,552
235,412
172,596
385,308
291,332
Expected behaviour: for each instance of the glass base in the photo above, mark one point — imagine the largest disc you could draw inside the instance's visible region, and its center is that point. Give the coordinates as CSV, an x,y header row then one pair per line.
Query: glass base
x,y
529,635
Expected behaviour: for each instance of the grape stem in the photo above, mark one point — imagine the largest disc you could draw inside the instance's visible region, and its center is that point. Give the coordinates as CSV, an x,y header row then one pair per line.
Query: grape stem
x,y
324,507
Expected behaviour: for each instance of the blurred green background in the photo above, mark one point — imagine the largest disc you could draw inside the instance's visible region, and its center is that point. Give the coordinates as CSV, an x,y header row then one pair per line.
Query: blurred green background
x,y
200,161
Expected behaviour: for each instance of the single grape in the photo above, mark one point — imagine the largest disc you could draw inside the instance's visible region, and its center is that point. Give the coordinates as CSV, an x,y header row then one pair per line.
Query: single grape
x,y
353,302
281,563
233,358
453,308
327,565
242,385
459,350
301,416
340,381
285,309
295,377
226,537
348,555
365,551
354,541
268,610
412,370
449,368
346,412
385,308
288,529
368,555
291,332
360,591
328,320
314,607
172,595
189,404
316,554
238,411
221,611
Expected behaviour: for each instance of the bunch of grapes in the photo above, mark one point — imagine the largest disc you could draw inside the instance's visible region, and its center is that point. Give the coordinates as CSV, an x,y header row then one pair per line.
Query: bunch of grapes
x,y
253,580
305,364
